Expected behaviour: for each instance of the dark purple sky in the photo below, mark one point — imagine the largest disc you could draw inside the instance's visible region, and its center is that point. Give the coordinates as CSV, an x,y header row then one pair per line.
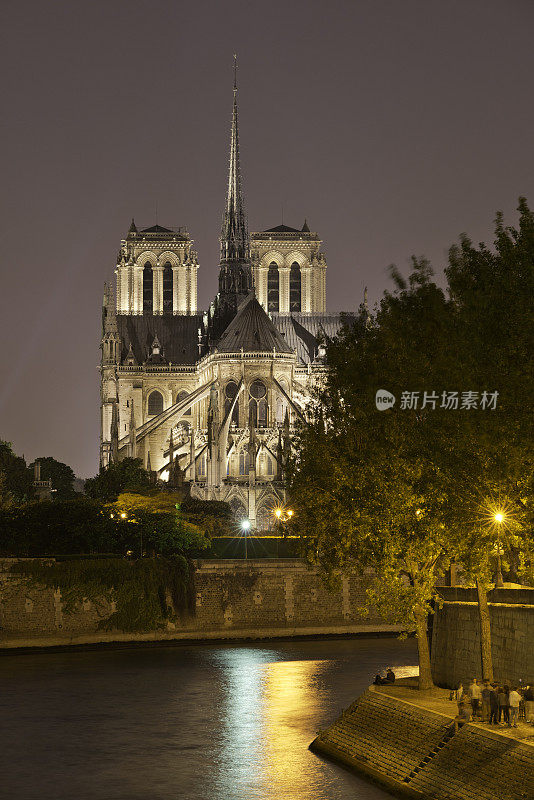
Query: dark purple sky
x,y
391,125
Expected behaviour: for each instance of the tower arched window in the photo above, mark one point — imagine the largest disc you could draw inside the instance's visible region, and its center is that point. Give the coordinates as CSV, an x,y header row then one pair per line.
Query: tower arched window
x,y
257,405
167,289
295,283
182,396
273,287
155,403
148,289
244,463
230,392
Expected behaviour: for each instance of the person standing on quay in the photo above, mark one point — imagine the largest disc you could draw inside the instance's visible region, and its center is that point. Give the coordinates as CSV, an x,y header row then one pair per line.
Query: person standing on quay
x,y
529,704
486,709
475,695
494,706
514,699
504,708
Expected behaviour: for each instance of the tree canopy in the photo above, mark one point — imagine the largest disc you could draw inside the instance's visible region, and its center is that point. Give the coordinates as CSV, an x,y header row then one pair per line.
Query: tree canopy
x,y
406,489
127,475
61,475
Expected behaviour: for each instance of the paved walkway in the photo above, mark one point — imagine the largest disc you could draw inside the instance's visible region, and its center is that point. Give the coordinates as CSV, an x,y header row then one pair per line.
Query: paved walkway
x,y
437,700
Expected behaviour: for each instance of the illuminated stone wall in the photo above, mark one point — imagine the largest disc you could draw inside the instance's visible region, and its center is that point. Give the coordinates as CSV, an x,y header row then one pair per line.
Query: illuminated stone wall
x,y
234,599
456,654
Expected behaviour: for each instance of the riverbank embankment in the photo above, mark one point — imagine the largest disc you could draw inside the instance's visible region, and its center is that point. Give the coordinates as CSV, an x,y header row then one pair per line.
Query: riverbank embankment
x,y
405,740
233,599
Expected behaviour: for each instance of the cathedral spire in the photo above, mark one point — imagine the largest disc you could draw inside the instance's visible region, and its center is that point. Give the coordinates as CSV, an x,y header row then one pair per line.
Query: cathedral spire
x,y
235,247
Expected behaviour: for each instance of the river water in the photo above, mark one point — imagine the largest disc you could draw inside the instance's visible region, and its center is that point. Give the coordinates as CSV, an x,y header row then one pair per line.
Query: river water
x,y
202,722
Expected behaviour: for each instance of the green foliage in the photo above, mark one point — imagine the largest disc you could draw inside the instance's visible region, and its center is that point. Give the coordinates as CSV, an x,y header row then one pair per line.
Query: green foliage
x,y
127,475
6,496
140,589
18,479
62,527
154,502
404,491
61,475
87,526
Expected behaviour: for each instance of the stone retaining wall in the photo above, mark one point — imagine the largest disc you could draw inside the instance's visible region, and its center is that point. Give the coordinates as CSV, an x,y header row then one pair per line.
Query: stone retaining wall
x,y
456,654
234,599
414,752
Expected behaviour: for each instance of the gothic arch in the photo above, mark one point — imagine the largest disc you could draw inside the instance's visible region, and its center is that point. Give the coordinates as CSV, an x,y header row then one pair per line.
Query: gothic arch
x,y
295,287
299,257
155,403
273,287
146,255
272,255
148,287
182,394
169,256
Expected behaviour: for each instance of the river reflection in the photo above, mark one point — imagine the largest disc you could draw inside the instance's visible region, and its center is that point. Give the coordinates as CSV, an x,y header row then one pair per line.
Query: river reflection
x,y
199,723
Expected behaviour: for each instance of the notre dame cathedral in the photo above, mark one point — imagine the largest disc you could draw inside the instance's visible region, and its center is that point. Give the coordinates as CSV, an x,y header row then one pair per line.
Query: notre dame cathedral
x,y
212,398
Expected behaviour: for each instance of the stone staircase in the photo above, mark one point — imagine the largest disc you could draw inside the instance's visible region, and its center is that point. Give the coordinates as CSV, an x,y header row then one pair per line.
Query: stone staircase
x,y
416,753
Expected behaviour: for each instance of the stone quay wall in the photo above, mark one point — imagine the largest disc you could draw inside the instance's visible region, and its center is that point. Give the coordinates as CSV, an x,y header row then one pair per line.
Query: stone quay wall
x,y
235,599
456,651
415,752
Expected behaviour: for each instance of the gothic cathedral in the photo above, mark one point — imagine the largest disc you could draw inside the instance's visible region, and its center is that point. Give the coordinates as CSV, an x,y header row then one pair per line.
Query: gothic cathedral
x,y
213,397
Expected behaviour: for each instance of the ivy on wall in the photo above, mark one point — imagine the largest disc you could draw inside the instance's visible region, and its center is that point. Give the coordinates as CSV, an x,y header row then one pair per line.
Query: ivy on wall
x,y
147,592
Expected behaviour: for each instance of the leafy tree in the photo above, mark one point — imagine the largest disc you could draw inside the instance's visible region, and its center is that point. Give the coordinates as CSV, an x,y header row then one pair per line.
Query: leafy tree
x,y
366,493
59,528
127,475
85,526
18,479
6,497
61,475
363,474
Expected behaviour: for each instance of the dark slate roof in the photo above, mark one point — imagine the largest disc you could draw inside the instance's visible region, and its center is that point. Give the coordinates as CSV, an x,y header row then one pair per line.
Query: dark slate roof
x,y
303,331
282,229
157,229
177,334
251,330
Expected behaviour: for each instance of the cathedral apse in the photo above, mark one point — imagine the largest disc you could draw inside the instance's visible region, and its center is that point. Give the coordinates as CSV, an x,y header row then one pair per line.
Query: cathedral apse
x,y
213,397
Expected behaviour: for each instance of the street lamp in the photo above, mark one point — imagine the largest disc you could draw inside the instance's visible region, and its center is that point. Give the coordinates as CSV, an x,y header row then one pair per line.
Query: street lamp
x,y
245,525
499,518
282,515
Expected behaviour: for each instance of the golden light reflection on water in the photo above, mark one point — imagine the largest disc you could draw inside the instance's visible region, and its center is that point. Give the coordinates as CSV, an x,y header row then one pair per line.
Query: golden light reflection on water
x,y
270,712
291,693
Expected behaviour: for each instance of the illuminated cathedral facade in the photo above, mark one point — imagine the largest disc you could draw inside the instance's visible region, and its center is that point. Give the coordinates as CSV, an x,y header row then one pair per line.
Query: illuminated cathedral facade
x,y
212,398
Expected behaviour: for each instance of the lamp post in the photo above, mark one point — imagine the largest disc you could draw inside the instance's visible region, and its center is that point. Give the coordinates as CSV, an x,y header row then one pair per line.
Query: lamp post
x,y
245,525
499,517
282,515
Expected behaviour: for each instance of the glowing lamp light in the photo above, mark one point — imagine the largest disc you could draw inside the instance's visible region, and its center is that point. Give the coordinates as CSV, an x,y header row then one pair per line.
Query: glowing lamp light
x,y
278,513
499,516
123,515
290,513
245,524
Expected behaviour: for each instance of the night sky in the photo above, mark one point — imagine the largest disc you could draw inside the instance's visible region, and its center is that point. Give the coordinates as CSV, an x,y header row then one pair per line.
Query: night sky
x,y
391,125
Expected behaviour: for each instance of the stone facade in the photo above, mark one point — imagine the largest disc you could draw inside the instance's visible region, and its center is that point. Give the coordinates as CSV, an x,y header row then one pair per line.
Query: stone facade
x,y
456,653
234,599
215,395
289,270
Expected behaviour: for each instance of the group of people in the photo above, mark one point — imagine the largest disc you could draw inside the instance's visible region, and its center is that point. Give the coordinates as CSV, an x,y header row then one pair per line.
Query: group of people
x,y
493,703
385,676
